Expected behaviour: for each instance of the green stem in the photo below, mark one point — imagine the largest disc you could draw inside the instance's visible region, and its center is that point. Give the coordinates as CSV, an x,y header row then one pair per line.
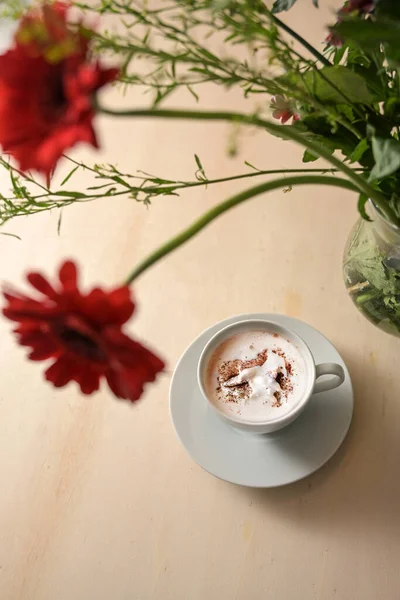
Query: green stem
x,y
287,132
189,184
218,210
299,39
169,187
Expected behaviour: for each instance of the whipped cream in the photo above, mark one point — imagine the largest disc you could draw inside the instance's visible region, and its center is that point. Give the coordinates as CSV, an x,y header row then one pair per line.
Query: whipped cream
x,y
262,379
256,392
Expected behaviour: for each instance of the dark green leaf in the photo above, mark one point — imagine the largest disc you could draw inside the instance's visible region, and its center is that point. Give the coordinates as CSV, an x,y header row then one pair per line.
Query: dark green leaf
x,y
315,2
251,166
280,5
359,150
119,180
388,8
198,162
363,199
387,157
70,194
392,109
317,129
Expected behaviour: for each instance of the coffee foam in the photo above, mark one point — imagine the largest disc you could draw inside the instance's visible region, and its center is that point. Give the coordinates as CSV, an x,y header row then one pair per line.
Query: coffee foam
x,y
256,376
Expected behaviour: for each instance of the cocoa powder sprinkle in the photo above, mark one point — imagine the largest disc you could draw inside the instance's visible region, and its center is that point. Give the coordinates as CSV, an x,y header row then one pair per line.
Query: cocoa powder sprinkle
x,y
232,368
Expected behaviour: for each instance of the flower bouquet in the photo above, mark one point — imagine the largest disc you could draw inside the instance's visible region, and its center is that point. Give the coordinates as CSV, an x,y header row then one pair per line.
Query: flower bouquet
x,y
340,102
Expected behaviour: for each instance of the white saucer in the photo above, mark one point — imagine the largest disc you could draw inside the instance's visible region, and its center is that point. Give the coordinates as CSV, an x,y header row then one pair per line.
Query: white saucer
x,y
260,460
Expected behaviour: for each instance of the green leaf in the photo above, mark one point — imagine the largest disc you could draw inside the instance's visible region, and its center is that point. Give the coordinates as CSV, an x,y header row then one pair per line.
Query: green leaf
x,y
70,194
309,156
363,199
280,5
359,150
387,157
337,85
69,175
198,162
338,54
200,167
347,111
319,130
369,35
59,222
315,2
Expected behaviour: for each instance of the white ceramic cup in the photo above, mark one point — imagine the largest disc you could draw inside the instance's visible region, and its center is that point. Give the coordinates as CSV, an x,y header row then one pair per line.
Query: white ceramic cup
x,y
312,373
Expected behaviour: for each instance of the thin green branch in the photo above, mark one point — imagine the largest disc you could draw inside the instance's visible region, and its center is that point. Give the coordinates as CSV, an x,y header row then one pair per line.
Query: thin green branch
x,y
24,203
221,208
299,39
287,132
164,189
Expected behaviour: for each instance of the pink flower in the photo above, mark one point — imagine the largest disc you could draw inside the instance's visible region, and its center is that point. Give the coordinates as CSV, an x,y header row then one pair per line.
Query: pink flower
x,y
283,109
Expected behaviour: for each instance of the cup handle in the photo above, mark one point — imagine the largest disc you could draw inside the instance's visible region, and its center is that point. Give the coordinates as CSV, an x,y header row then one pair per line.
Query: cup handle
x,y
328,384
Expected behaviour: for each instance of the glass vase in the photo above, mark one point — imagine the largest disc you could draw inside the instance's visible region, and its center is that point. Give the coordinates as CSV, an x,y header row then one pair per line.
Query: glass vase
x,y
372,270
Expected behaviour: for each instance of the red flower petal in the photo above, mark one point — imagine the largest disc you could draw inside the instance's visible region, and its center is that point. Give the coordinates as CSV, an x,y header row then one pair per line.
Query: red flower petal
x,y
122,304
68,276
38,339
61,372
41,284
124,386
112,308
130,352
89,381
30,311
42,353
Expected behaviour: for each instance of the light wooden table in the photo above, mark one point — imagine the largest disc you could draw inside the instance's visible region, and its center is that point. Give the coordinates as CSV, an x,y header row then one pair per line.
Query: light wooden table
x,y
98,499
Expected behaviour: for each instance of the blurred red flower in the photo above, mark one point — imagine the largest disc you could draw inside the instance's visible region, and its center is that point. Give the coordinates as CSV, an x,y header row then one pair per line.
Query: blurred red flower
x,y
46,87
83,334
363,7
334,39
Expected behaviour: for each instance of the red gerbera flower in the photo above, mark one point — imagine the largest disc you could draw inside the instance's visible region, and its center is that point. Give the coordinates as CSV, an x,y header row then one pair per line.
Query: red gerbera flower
x,y
46,89
82,332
